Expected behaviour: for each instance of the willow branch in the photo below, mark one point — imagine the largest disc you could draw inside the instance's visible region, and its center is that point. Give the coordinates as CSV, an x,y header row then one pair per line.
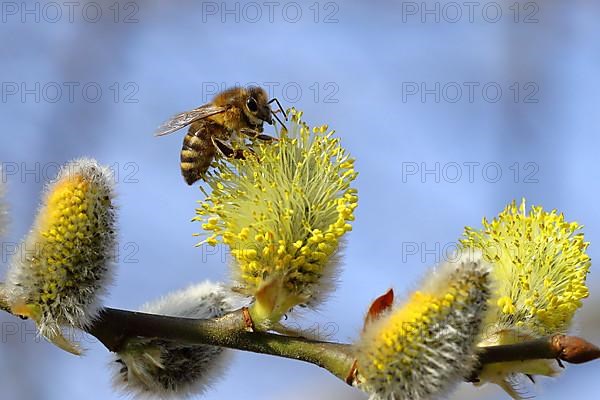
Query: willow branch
x,y
571,349
114,328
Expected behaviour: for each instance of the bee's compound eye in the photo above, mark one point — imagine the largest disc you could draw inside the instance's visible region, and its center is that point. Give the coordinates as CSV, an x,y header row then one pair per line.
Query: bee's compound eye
x,y
251,104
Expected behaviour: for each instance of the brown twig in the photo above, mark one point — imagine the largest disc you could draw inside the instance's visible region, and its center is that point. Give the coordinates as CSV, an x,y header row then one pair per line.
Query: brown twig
x,y
115,327
571,349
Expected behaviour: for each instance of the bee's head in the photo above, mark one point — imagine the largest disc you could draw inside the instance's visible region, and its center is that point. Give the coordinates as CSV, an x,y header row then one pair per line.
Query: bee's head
x,y
257,107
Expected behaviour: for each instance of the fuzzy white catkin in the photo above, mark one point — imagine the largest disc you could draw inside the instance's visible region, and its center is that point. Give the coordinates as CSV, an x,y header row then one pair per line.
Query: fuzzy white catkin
x,y
160,369
422,349
64,265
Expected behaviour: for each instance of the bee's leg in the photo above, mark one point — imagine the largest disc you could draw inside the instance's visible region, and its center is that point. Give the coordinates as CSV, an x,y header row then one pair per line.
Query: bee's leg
x,y
227,151
257,135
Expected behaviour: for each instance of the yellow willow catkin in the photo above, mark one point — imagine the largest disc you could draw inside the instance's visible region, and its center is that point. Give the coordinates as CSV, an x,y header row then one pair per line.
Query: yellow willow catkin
x,y
283,212
65,263
540,265
421,349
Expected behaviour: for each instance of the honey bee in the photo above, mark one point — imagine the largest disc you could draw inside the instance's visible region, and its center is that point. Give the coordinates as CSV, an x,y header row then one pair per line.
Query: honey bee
x,y
231,116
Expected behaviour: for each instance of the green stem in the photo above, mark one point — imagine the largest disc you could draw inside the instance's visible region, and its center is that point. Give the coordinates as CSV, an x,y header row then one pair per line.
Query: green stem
x,y
114,327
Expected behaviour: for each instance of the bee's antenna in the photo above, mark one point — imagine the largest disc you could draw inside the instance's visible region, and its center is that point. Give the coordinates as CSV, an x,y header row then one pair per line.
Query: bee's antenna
x,y
278,120
274,99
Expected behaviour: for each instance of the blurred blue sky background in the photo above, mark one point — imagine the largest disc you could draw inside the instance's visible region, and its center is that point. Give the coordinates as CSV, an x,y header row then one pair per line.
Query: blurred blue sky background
x,y
393,78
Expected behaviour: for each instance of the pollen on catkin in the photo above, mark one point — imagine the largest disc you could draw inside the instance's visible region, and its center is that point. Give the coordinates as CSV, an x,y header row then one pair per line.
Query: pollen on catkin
x,y
540,265
421,349
64,264
161,369
283,211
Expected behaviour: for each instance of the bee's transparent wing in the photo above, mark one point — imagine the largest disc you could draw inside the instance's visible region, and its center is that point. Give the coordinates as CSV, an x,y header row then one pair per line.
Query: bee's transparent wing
x,y
183,119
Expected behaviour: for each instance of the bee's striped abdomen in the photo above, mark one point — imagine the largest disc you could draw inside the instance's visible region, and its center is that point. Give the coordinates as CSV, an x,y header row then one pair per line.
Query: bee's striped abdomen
x,y
198,150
